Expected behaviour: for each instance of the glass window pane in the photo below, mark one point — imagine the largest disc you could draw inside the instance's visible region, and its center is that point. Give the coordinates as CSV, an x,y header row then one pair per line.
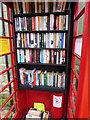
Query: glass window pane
x,y
73,101
4,11
1,28
0,10
76,64
2,63
6,29
78,46
9,60
80,25
81,5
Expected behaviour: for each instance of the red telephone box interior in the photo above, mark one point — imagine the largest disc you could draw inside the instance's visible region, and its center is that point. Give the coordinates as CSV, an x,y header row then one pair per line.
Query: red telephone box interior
x,y
25,98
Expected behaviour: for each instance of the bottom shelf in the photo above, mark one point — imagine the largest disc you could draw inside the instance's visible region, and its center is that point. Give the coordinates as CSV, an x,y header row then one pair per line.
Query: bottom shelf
x,y
43,88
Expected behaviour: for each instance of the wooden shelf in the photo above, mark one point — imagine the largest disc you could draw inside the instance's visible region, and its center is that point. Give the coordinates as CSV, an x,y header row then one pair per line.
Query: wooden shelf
x,y
42,88
43,31
40,14
42,64
44,48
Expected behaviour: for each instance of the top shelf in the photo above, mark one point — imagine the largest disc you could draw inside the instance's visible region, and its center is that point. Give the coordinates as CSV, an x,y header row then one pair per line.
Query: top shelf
x,y
40,14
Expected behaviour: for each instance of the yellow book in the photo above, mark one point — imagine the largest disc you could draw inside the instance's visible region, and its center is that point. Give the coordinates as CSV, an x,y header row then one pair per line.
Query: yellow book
x,y
53,40
35,6
25,40
14,6
39,6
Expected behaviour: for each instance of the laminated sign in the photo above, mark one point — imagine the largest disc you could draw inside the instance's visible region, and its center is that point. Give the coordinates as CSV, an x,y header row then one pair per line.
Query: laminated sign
x,y
4,46
57,101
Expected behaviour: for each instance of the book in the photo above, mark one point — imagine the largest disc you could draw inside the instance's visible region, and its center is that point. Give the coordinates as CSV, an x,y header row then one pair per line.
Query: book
x,y
33,23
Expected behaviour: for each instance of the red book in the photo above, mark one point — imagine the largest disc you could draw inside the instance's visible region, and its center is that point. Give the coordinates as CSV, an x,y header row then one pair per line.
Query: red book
x,y
35,56
57,23
34,77
33,24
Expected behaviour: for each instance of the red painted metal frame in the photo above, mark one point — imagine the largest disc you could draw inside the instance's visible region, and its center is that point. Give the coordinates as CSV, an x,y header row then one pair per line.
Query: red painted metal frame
x,y
81,108
12,52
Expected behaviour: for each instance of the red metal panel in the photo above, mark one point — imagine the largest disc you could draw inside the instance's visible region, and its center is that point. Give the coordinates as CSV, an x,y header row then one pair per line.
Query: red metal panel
x,y
83,102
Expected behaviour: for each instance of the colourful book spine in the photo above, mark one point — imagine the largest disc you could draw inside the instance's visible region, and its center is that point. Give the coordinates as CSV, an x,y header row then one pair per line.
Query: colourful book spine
x,y
45,78
35,55
33,24
30,56
35,40
53,40
25,39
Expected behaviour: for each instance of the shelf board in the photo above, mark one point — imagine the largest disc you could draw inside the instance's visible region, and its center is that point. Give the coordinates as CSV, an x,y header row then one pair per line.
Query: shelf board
x,y
44,48
43,31
42,64
42,88
40,14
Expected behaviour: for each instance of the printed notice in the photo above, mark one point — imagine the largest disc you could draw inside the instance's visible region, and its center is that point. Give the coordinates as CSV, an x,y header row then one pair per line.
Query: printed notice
x,y
57,101
4,46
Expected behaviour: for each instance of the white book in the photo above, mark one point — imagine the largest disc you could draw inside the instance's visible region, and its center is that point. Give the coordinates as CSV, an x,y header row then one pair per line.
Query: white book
x,y
40,20
57,40
52,28
27,56
36,23
48,56
20,24
66,22
34,40
61,57
50,21
18,40
42,79
44,23
46,40
22,55
59,22
64,40
57,57
59,80
38,39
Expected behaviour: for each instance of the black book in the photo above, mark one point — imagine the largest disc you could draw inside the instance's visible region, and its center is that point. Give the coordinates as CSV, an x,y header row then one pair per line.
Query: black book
x,y
30,7
33,7
50,6
55,53
37,7
22,25
38,56
48,22
33,56
54,81
30,23
28,27
20,7
42,40
50,57
25,55
43,7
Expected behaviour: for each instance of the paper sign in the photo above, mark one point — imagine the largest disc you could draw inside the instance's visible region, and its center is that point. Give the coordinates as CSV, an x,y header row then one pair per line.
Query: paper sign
x,y
57,101
4,46
39,106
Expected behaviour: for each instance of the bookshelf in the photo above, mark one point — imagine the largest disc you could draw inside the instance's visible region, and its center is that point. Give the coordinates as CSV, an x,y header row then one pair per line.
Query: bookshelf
x,y
50,67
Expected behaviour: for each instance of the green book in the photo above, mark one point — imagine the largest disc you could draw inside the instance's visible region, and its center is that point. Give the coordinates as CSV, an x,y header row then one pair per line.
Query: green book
x,y
45,82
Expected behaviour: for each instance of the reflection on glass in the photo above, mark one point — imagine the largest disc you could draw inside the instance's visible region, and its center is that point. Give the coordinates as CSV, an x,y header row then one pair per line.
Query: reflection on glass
x,y
1,28
9,60
6,29
4,11
76,64
73,100
0,10
81,5
75,82
78,46
2,63
80,25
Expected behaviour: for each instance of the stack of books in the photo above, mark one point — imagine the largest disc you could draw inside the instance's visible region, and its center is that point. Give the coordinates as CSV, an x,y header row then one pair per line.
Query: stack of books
x,y
41,56
38,7
41,40
51,22
42,78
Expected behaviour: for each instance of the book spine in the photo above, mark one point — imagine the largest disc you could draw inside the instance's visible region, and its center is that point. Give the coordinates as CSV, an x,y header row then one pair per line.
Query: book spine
x,y
33,23
42,40
66,22
30,56
35,40
35,56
